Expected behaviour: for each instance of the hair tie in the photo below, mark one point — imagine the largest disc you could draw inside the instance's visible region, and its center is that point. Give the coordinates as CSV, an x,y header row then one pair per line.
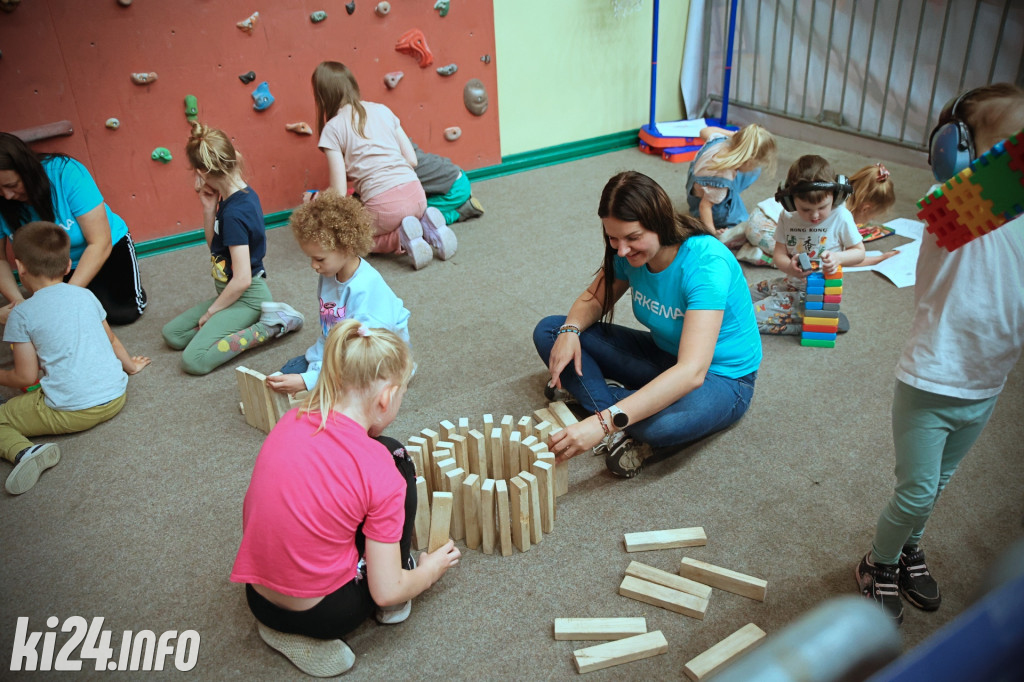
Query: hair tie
x,y
883,173
363,331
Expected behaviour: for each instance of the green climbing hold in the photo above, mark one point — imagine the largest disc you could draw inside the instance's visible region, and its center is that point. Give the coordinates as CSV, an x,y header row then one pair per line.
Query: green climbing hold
x,y
162,154
191,107
318,16
442,7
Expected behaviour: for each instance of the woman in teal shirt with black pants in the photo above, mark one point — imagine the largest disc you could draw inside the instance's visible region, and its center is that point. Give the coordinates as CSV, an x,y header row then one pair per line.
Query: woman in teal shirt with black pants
x,y
692,373
59,189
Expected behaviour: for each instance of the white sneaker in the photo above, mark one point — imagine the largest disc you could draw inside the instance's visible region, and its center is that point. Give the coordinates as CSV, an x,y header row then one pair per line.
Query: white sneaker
x,y
36,460
410,236
438,234
393,615
316,657
274,314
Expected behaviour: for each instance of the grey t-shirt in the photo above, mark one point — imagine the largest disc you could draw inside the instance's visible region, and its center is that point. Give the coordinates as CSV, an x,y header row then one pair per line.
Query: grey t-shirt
x,y
65,324
437,174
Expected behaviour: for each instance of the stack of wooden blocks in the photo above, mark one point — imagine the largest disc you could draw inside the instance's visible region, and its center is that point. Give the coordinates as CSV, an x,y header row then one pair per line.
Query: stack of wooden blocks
x,y
493,487
262,406
821,309
687,593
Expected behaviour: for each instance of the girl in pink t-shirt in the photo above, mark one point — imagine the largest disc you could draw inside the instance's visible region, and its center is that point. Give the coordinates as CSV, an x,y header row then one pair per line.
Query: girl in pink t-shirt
x,y
364,142
328,518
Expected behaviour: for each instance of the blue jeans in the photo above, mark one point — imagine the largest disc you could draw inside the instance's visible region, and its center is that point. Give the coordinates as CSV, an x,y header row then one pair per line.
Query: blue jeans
x,y
631,357
296,365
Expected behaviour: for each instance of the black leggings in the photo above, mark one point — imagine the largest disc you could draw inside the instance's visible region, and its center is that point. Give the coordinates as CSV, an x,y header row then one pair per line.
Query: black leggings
x,y
118,285
345,609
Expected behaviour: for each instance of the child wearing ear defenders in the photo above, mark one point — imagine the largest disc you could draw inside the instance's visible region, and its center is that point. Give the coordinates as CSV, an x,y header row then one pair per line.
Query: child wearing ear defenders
x,y
961,348
815,223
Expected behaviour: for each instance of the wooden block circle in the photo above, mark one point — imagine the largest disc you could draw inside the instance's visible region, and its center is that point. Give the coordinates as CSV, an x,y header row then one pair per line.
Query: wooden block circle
x,y
487,449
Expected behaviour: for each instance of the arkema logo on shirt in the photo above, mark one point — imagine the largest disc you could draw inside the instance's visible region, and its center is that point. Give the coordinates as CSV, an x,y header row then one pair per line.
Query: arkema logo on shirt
x,y
656,307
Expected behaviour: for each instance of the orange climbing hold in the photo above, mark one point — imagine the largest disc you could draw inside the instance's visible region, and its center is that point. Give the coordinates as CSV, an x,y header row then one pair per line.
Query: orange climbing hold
x,y
414,43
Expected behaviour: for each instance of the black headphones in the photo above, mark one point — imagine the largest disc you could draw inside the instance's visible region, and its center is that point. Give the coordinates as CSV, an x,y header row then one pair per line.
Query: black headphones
x,y
840,189
951,145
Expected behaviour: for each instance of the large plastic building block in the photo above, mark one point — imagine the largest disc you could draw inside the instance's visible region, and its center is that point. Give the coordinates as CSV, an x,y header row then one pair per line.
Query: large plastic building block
x,y
681,154
981,198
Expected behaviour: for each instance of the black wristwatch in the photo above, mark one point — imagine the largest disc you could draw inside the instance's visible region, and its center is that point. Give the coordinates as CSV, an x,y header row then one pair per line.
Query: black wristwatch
x,y
619,418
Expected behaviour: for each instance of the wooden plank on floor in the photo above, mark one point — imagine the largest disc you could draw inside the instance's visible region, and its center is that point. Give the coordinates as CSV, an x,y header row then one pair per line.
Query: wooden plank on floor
x,y
665,597
666,539
717,657
724,579
598,629
676,582
620,651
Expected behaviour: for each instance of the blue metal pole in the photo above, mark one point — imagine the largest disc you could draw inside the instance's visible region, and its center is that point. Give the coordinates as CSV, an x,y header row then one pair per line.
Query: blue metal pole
x,y
728,62
654,69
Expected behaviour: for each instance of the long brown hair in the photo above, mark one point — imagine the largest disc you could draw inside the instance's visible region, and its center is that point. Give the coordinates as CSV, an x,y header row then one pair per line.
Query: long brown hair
x,y
16,156
634,197
334,86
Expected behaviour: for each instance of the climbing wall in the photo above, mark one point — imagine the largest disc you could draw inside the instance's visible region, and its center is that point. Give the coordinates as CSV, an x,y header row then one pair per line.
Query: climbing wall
x,y
74,60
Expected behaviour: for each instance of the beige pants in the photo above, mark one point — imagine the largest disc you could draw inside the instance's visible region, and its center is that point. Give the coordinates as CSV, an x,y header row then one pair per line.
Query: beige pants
x,y
29,415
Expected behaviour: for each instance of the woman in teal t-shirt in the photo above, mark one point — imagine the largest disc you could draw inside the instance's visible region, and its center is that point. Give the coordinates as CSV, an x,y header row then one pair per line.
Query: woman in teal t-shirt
x,y
59,189
692,373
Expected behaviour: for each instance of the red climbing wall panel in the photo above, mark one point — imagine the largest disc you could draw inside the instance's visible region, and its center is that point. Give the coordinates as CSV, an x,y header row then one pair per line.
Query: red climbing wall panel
x,y
72,59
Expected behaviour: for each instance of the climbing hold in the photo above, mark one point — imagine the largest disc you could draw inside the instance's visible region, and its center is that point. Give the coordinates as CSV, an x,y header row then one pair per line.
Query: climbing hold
x,y
143,78
261,97
350,7
249,24
382,8
453,133
447,70
9,5
124,3
318,16
474,95
391,79
301,128
113,123
191,107
162,154
248,77
414,43
486,59
442,7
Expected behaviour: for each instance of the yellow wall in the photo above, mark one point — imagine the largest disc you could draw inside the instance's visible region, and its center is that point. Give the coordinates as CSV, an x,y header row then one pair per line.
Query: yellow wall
x,y
571,70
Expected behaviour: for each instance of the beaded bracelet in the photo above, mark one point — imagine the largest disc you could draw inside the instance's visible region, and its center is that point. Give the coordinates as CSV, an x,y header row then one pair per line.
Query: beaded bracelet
x,y
604,424
570,328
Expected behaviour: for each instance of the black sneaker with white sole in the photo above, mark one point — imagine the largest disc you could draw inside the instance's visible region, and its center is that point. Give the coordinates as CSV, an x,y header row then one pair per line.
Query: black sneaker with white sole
x,y
877,582
915,582
626,457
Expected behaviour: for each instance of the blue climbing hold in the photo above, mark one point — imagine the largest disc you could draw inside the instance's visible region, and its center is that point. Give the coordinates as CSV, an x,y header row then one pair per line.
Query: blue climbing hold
x,y
261,97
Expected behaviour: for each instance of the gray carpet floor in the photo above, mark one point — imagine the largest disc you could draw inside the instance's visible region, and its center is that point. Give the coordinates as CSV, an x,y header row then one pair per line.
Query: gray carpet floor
x,y
140,522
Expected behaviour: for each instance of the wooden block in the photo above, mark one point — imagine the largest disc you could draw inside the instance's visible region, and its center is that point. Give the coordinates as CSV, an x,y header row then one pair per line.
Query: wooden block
x,y
504,520
562,413
443,467
477,453
546,483
544,415
533,486
561,477
455,478
428,461
666,539
523,426
440,520
586,629
488,424
436,457
542,431
445,445
506,427
519,508
266,397
496,450
735,645
487,516
255,407
422,527
665,597
446,429
461,451
724,579
620,651
248,404
536,449
279,402
529,441
463,427
546,457
676,582
471,510
416,455
432,438
512,457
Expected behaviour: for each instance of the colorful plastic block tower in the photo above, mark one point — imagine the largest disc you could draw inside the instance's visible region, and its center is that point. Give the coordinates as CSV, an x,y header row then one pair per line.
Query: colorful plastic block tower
x,y
984,196
821,309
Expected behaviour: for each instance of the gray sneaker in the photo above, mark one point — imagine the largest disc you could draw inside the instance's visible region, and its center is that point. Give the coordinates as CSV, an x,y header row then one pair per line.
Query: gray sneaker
x,y
437,233
626,457
275,314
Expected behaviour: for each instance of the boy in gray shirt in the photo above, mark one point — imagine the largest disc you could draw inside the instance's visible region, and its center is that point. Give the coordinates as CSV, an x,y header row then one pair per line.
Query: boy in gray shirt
x,y
60,338
447,187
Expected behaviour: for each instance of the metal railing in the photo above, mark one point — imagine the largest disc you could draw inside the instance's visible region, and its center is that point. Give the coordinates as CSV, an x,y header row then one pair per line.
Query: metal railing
x,y
876,68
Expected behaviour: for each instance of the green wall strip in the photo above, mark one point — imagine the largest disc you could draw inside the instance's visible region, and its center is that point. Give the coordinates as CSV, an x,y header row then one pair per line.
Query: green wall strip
x,y
514,163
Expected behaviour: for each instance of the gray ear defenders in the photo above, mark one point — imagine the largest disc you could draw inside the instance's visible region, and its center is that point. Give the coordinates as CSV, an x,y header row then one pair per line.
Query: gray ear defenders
x,y
951,145
840,189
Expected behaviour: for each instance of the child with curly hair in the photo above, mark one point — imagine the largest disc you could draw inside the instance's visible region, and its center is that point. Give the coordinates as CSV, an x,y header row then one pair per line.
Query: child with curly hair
x,y
336,232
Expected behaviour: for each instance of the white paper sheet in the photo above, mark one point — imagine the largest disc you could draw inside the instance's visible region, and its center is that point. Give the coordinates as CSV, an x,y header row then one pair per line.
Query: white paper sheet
x,y
901,269
690,128
911,229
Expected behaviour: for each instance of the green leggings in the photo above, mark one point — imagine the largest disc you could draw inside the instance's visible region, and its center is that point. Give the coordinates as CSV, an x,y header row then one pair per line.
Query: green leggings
x,y
225,334
449,202
931,434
